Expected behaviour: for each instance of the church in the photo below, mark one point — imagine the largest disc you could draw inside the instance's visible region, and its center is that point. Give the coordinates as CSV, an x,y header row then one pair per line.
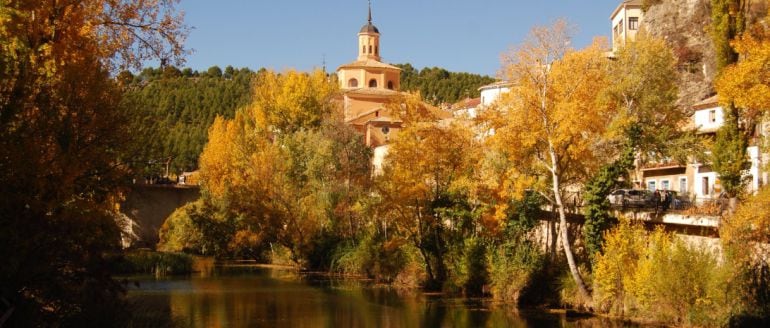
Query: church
x,y
368,85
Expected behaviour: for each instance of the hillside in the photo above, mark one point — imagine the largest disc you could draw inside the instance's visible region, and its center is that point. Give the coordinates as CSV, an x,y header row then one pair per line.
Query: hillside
x,y
439,86
171,110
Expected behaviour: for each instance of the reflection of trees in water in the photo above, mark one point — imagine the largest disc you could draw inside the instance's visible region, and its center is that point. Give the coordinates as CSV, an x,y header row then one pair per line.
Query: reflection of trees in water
x,y
253,298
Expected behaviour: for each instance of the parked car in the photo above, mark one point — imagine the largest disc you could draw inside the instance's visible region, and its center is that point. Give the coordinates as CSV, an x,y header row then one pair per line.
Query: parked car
x,y
616,196
631,197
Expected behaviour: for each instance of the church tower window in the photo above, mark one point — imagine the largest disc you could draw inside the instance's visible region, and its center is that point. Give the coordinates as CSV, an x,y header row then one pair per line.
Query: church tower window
x,y
390,85
352,83
372,83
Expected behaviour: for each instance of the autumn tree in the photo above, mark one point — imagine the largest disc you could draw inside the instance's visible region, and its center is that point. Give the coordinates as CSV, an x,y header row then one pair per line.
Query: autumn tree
x,y
426,189
61,142
553,120
745,83
647,122
288,165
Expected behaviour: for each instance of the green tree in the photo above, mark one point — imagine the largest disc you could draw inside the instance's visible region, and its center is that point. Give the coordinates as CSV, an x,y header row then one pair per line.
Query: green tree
x,y
729,157
439,86
172,114
728,21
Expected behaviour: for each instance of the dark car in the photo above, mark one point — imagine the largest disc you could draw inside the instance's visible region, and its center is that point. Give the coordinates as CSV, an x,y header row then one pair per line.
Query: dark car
x,y
631,197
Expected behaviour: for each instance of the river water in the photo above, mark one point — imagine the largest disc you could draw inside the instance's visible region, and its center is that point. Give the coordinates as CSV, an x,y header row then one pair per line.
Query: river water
x,y
253,296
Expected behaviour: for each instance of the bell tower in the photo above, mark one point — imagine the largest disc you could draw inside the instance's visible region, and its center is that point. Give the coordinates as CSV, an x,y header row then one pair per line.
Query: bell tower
x,y
369,40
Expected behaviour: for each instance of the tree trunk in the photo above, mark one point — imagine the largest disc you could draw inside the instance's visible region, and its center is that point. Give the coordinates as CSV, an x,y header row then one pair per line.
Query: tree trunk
x,y
563,229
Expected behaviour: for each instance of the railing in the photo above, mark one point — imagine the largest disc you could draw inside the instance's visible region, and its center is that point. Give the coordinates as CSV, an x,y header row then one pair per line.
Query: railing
x,y
713,207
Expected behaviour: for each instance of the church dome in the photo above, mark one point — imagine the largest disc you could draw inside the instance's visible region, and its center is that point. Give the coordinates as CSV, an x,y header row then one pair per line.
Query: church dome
x,y
369,28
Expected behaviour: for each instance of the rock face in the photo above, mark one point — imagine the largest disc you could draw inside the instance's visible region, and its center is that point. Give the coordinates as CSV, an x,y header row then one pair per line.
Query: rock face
x,y
684,25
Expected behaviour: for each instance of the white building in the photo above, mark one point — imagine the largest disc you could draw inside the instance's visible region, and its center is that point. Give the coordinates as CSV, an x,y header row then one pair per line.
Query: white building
x,y
707,119
626,22
491,92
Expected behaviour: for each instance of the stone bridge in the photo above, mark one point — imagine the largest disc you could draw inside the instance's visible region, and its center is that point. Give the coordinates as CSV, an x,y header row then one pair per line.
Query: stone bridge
x,y
148,206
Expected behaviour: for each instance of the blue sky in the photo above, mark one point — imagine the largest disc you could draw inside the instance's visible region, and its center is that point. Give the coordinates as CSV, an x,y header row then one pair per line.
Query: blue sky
x,y
466,36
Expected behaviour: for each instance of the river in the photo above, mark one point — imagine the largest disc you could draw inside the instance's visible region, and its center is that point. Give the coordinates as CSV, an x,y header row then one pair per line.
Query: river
x,y
254,296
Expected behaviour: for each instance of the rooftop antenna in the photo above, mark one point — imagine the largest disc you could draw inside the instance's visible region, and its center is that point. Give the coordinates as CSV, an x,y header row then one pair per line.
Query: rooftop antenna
x,y
370,11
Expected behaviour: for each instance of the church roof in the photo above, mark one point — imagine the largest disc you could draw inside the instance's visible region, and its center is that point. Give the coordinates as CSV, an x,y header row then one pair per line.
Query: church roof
x,y
369,63
369,28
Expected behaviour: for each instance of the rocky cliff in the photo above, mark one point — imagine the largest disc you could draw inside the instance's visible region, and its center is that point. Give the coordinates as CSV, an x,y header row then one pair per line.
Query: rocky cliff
x,y
684,25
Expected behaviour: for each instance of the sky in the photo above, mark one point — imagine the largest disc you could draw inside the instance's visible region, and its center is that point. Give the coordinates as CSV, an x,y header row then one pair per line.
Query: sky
x,y
460,36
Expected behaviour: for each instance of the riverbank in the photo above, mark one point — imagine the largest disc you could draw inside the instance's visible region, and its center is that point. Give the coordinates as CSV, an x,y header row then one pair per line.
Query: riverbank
x,y
240,295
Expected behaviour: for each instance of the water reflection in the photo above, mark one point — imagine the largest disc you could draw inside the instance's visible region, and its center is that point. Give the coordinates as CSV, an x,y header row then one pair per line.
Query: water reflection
x,y
248,296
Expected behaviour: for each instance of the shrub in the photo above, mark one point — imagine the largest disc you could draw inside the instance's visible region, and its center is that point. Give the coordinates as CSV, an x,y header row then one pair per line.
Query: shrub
x,y
513,266
372,256
658,276
468,265
745,239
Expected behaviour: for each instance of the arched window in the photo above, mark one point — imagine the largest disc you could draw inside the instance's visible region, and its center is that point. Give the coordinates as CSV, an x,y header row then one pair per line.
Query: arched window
x,y
363,49
370,49
376,50
372,83
352,83
390,85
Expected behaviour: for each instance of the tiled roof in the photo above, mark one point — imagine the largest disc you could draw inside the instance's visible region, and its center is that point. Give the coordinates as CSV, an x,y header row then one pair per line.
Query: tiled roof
x,y
368,63
709,102
467,103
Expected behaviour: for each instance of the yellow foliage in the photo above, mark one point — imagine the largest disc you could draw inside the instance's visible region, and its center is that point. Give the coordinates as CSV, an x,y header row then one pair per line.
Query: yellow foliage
x,y
427,161
747,83
749,227
660,277
292,100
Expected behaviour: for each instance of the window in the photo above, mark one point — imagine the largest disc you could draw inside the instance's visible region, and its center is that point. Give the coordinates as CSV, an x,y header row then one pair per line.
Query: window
x,y
376,51
705,186
352,83
665,185
620,26
633,23
682,186
370,49
713,115
363,49
651,185
372,83
390,85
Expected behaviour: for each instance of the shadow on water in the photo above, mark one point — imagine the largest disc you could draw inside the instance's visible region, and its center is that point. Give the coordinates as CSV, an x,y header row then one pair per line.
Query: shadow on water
x,y
252,296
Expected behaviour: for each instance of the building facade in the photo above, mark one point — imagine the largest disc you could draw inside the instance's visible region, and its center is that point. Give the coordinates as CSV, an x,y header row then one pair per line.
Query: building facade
x,y
626,21
368,86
